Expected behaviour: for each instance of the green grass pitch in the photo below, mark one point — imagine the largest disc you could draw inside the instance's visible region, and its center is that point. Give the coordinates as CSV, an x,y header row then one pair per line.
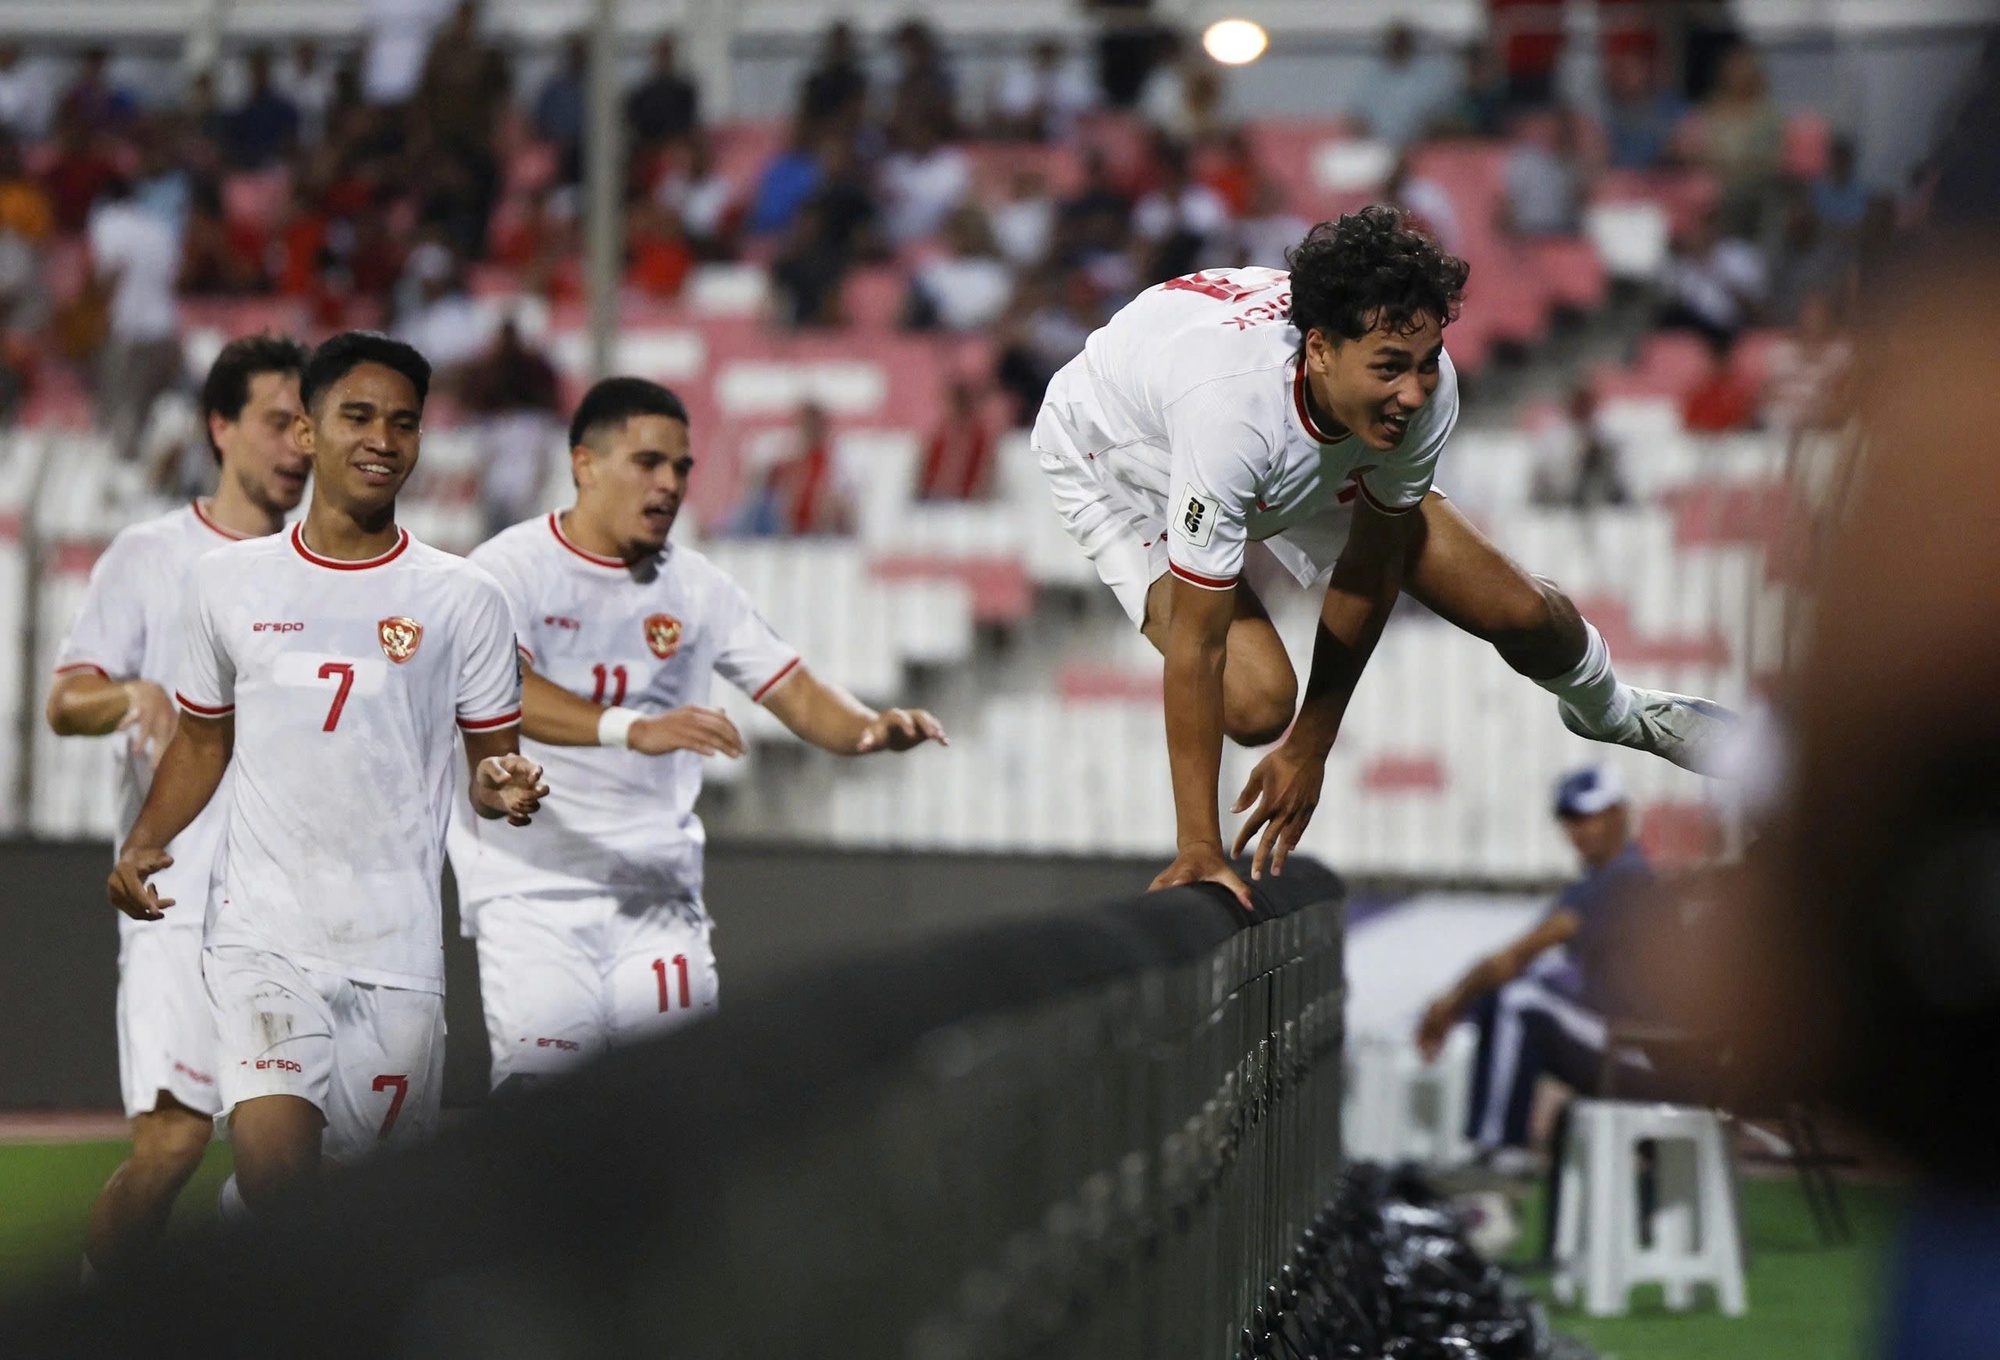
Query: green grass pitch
x,y
1806,1303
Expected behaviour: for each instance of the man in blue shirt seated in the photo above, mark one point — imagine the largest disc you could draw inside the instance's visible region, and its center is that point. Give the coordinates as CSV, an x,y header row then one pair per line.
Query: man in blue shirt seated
x,y
1541,1002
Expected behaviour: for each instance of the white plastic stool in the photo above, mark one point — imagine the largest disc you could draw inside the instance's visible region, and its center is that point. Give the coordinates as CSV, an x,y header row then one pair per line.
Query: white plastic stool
x,y
1400,1108
1696,1237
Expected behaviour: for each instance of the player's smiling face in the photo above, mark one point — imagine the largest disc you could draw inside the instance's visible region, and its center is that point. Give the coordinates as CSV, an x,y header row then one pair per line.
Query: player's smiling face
x,y
1375,385
363,435
631,479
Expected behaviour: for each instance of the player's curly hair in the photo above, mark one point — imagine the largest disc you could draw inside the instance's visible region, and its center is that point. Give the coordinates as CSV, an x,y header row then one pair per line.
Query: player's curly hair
x,y
1371,268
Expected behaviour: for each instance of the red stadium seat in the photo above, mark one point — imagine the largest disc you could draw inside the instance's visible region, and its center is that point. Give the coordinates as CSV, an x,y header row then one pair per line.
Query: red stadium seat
x,y
874,297
1569,271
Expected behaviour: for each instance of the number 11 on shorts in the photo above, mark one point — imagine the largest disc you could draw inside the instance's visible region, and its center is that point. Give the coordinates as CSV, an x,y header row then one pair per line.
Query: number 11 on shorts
x,y
680,962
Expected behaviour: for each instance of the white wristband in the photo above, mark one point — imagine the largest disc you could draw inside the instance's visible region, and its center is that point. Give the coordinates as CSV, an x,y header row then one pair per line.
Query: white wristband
x,y
614,726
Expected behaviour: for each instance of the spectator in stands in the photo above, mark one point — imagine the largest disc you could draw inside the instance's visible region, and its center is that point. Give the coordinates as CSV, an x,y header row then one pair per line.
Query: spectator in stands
x,y
515,398
437,314
1096,222
1642,117
464,86
661,257
835,91
958,457
265,126
1270,230
1041,96
802,494
27,95
1575,464
562,108
1839,199
1402,92
26,221
1541,1003
308,81
1229,167
1712,284
923,181
93,101
925,91
1531,39
1182,225
1046,328
162,182
82,169
1724,400
1743,143
137,256
666,106
968,286
1024,223
399,39
1545,177
1479,107
1807,387
1184,99
1425,200
788,181
1131,44
213,262
810,269
1811,259
704,199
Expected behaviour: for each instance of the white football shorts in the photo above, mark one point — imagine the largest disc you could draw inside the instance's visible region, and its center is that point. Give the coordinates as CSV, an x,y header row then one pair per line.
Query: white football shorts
x,y
166,1032
370,1058
564,976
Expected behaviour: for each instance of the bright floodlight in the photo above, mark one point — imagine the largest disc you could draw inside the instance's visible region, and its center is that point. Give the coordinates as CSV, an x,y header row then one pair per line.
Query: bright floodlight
x,y
1235,42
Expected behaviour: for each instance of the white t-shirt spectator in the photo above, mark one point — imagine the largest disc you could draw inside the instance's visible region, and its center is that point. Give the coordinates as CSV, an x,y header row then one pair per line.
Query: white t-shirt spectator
x,y
27,99
1398,101
310,90
1062,95
1716,286
1195,208
969,291
399,41
143,252
449,331
919,192
1023,227
1264,240
1541,192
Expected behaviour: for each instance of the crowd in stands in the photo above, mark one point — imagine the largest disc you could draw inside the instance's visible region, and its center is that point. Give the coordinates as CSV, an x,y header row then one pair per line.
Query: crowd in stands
x,y
372,186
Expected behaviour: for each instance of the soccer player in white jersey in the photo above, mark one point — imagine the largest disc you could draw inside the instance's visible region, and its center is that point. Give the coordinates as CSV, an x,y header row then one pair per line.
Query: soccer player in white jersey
x,y
112,675
334,671
590,924
1303,412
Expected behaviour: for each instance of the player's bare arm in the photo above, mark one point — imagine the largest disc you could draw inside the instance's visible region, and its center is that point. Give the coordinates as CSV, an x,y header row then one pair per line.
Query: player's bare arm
x,y
86,704
1197,644
560,717
1283,789
1495,970
188,776
834,720
505,783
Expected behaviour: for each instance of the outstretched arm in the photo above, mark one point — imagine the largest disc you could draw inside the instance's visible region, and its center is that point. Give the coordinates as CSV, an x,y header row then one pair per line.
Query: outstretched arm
x,y
1283,790
834,720
189,773
1196,650
1495,970
552,714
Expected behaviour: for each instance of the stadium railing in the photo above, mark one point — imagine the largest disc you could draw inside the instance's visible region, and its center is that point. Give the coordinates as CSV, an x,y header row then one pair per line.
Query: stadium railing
x,y
1096,1131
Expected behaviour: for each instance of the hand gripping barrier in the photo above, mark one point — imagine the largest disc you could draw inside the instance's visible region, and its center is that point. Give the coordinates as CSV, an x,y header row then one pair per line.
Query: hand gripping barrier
x,y
1096,1132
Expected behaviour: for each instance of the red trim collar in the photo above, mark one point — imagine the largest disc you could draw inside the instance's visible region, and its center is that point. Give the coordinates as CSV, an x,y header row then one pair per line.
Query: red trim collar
x,y
299,542
202,515
1305,411
595,559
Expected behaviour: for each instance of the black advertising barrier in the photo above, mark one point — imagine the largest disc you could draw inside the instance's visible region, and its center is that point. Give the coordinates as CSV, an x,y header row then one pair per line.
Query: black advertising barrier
x,y
1094,1131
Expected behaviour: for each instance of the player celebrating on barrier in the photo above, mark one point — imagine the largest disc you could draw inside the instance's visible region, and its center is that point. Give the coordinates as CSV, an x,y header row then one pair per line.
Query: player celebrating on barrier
x,y
333,670
112,675
590,925
1304,412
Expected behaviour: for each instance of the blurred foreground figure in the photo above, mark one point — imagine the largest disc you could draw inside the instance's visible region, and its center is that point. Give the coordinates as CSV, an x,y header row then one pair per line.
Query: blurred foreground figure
x,y
1884,980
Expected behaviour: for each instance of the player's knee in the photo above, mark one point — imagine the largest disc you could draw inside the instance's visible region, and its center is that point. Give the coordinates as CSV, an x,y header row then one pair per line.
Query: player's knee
x,y
1260,719
169,1147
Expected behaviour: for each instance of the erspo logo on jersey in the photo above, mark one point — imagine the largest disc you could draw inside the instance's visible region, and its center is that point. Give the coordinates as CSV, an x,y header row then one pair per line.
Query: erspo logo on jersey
x,y
277,628
663,635
401,637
